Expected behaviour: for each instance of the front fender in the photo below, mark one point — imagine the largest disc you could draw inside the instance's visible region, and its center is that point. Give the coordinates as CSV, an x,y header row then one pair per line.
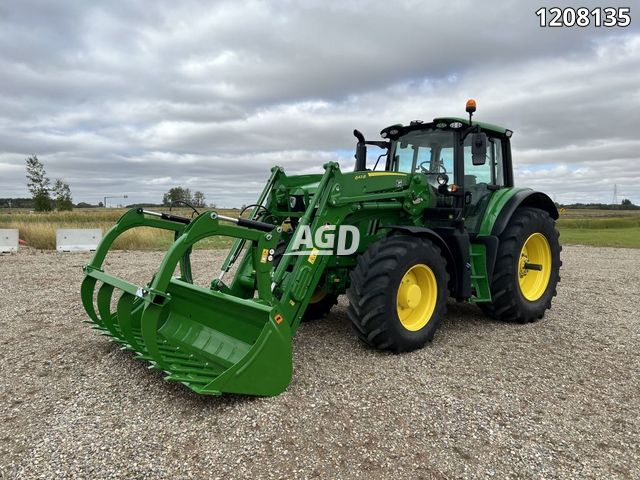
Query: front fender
x,y
455,249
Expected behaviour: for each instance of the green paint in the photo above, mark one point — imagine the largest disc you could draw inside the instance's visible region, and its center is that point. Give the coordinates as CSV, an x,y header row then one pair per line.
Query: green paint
x,y
479,280
498,200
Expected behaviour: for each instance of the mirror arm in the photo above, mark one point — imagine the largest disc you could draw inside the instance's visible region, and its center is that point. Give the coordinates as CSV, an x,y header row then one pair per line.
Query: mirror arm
x,y
380,144
470,129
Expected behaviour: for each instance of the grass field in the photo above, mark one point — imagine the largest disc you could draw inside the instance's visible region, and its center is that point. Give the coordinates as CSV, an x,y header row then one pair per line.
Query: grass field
x,y
609,237
601,228
586,227
38,230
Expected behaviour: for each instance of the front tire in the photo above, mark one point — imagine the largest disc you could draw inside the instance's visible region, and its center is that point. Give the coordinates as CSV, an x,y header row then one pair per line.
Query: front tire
x,y
398,293
319,305
527,269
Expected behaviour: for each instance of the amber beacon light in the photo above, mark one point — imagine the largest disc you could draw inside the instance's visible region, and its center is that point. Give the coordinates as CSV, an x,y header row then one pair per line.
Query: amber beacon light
x,y
471,107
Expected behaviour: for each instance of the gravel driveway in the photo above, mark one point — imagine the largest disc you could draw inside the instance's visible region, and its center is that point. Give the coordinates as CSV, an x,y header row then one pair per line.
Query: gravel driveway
x,y
559,398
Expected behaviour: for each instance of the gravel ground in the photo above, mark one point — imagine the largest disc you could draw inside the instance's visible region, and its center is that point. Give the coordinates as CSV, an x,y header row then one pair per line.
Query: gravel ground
x,y
559,398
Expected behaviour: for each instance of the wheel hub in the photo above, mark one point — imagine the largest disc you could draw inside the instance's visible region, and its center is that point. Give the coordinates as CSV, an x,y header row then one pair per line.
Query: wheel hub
x,y
534,267
417,296
409,295
524,259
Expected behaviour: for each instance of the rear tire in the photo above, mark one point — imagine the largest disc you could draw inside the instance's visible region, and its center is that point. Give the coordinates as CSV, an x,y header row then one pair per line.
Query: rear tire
x,y
518,294
398,293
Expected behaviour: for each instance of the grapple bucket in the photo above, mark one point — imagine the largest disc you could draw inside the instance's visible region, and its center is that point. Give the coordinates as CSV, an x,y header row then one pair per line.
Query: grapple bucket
x,y
209,340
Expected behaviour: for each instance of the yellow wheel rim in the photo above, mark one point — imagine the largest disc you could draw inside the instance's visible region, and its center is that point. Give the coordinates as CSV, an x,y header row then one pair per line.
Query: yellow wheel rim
x,y
417,297
318,295
534,267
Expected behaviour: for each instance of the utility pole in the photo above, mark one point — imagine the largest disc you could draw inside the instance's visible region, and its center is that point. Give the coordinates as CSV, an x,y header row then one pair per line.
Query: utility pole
x,y
615,193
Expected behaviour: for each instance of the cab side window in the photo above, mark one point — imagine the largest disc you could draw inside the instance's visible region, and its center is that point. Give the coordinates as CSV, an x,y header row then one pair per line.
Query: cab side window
x,y
491,173
404,159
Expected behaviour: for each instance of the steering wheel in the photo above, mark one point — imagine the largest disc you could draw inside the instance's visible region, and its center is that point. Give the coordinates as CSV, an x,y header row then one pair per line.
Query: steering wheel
x,y
426,170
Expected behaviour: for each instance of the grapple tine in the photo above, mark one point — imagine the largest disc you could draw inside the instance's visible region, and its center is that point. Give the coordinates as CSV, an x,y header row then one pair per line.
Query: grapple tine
x,y
126,306
151,316
86,293
104,308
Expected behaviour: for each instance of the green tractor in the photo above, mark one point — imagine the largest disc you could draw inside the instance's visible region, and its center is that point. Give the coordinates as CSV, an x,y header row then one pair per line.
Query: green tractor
x,y
437,216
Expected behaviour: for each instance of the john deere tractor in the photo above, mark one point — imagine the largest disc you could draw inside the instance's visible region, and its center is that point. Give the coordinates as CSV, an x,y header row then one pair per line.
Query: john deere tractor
x,y
436,217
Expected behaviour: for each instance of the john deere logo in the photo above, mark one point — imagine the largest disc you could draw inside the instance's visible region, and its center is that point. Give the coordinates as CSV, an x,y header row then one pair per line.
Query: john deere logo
x,y
328,240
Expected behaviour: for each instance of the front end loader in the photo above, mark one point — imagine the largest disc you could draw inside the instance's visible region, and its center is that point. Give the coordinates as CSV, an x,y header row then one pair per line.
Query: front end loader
x,y
439,219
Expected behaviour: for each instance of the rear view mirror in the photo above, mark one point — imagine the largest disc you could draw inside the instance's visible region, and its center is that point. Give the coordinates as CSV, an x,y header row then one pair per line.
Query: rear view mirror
x,y
479,148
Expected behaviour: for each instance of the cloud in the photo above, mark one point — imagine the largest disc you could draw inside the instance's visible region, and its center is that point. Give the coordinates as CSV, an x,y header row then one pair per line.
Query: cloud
x,y
121,98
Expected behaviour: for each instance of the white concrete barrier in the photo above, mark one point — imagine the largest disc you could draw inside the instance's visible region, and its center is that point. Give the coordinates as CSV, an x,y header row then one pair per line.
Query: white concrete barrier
x,y
77,239
8,240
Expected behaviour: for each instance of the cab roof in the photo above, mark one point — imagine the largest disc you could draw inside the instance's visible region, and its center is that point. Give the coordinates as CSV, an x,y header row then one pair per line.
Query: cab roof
x,y
447,121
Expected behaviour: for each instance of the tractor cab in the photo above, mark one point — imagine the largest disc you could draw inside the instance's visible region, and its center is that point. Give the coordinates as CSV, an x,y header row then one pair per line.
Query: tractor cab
x,y
463,161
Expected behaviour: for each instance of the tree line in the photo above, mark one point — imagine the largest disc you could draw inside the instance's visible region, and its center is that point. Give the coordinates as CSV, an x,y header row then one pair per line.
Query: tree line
x,y
625,204
177,195
46,196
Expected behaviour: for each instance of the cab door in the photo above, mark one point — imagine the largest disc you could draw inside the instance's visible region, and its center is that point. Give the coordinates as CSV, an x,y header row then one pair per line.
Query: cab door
x,y
480,181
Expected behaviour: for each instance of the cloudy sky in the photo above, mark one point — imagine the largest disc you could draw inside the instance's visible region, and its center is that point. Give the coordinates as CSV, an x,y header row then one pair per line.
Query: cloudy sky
x,y
126,97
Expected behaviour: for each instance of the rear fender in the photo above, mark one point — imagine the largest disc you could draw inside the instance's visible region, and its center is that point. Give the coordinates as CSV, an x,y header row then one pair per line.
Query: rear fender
x,y
521,199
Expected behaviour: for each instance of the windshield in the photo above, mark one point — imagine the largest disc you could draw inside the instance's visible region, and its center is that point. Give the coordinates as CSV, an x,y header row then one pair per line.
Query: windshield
x,y
426,151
